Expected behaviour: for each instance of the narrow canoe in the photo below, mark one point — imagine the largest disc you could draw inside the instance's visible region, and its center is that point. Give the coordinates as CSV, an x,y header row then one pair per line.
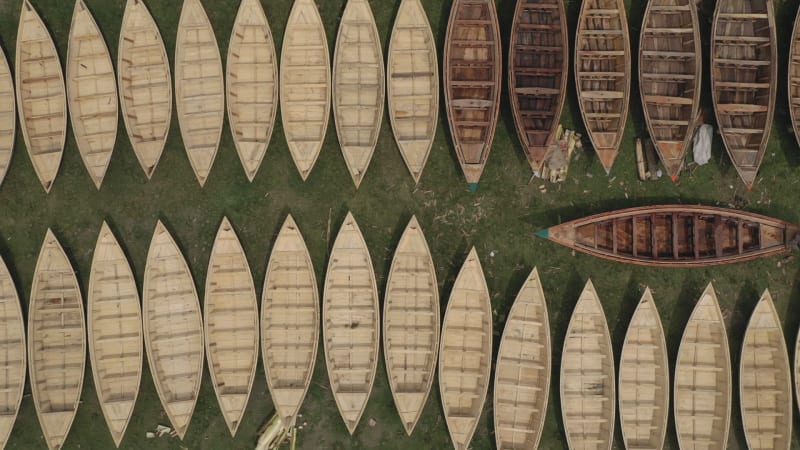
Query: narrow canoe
x,y
538,65
231,325
473,66
744,77
644,379
251,85
411,324
703,378
588,400
173,329
794,78
145,85
670,74
522,374
305,91
116,349
676,235
413,85
12,359
8,116
465,355
289,322
41,95
56,342
92,93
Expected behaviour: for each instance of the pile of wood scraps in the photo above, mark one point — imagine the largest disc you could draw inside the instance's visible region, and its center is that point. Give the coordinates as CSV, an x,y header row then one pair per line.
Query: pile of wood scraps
x,y
556,162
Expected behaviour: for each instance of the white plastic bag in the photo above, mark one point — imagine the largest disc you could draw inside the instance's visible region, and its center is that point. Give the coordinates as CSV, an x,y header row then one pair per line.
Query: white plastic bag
x,y
702,144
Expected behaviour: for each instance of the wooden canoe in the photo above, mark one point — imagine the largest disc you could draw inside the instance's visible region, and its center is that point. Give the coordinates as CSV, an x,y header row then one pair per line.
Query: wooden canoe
x,y
413,85
8,116
56,342
251,85
702,392
305,88
465,355
794,78
41,95
588,400
145,85
289,322
12,359
173,329
231,325
92,93
744,77
114,316
473,66
351,323
411,324
676,235
538,65
522,374
670,74
644,379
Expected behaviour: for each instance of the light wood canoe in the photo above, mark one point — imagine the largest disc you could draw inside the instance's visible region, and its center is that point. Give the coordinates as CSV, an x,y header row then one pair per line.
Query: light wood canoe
x,y
8,116
12,359
231,325
538,65
173,329
794,78
465,355
305,91
413,85
411,324
116,349
251,85
289,322
702,405
744,77
644,379
670,74
41,95
145,85
351,323
92,93
473,66
522,374
56,342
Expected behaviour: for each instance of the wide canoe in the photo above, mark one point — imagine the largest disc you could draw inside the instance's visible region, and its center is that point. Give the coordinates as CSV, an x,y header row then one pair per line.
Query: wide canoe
x,y
8,116
12,359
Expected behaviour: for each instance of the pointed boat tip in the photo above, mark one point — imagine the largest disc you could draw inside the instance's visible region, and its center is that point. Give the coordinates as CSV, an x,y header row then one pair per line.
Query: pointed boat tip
x,y
674,178
543,233
473,187
750,187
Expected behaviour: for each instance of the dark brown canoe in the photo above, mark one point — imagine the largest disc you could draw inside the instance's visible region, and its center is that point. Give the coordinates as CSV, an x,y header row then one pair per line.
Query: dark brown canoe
x,y
676,235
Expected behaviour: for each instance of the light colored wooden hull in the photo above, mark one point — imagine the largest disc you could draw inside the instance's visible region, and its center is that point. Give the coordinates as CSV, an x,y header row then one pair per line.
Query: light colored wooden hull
x,y
12,359
8,116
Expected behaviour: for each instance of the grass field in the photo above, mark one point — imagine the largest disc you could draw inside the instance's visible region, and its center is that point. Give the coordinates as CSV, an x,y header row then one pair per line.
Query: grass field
x,y
499,220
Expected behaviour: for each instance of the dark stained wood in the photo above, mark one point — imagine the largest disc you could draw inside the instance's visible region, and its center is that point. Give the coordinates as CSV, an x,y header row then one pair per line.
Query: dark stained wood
x,y
794,78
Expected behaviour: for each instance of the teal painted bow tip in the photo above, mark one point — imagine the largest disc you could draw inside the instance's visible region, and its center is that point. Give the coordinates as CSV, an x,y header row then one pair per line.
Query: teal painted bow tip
x,y
473,187
544,234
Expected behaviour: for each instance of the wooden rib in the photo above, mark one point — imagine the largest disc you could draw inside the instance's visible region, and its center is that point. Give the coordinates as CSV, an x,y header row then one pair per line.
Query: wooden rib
x,y
413,85
289,322
12,359
305,90
115,333
41,96
56,342
465,355
8,118
522,374
173,329
251,85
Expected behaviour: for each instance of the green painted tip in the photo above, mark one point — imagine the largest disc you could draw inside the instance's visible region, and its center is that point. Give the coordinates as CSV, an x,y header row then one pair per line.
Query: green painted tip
x,y
544,234
473,187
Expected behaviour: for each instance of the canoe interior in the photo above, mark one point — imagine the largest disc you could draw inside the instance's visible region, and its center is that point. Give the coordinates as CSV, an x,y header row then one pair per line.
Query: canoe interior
x,y
794,78
12,359
8,116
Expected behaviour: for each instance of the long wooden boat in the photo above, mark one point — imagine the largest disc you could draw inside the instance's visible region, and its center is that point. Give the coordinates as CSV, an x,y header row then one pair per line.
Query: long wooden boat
x,y
744,78
522,374
251,85
465,355
538,65
173,329
92,93
351,323
676,235
12,359
145,85
41,95
703,378
588,400
305,88
644,379
289,322
56,342
473,66
8,116
794,78
231,325
411,324
670,74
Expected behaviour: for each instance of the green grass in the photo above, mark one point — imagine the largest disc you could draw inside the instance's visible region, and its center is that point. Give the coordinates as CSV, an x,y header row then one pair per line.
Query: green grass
x,y
499,218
